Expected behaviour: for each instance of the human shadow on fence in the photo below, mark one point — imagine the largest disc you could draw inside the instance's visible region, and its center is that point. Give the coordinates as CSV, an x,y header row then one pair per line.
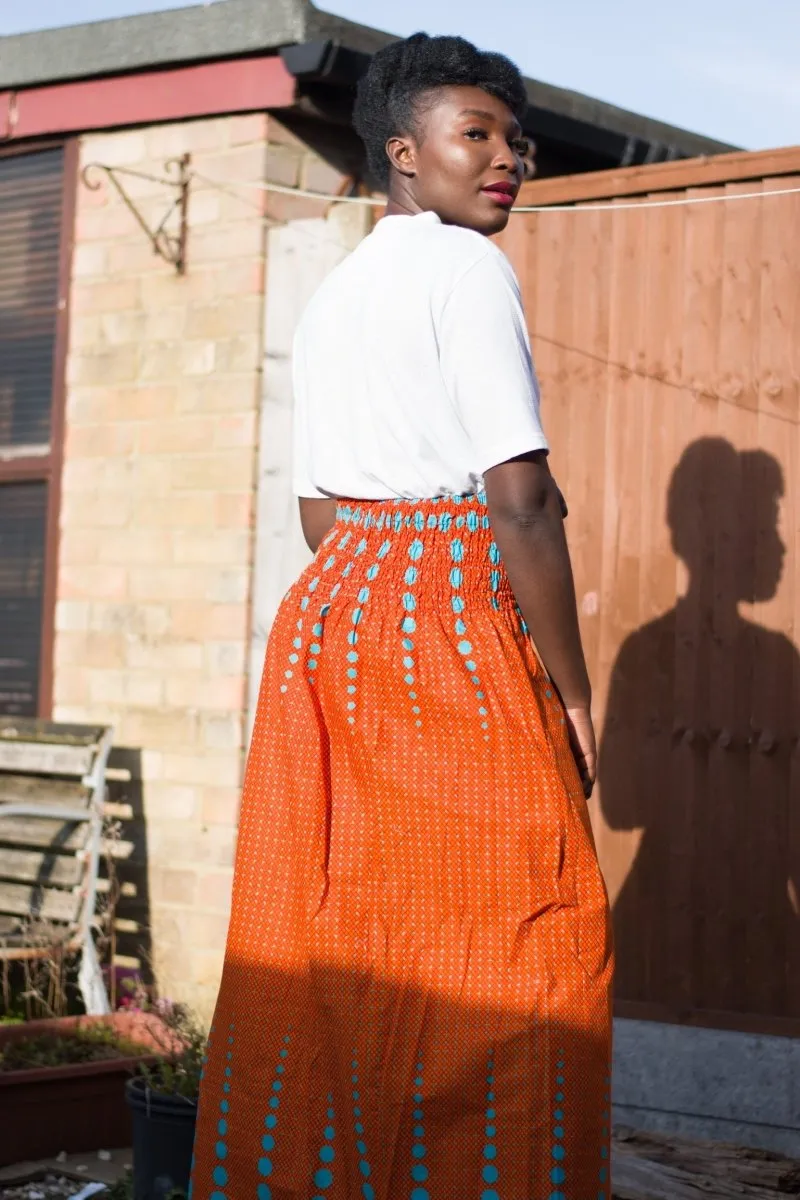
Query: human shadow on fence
x,y
699,753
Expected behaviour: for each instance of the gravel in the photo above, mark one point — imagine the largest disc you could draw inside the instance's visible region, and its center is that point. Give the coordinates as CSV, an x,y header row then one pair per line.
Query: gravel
x,y
53,1187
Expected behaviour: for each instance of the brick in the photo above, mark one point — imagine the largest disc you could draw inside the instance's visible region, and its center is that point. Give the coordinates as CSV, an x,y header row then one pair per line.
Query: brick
x,y
240,354
164,656
205,208
283,165
230,586
91,582
168,324
226,658
86,406
320,176
174,886
72,616
240,239
160,728
225,318
103,650
239,163
70,685
294,208
167,290
221,732
251,127
142,620
86,333
239,278
124,149
280,135
175,801
198,358
213,769
237,431
168,141
160,362
106,686
89,261
215,890
208,136
200,619
207,929
235,510
213,547
220,806
103,221
80,510
178,435
99,441
145,402
121,328
222,471
187,511
170,583
174,841
115,295
235,393
152,765
135,256
207,695
119,365
79,546
144,689
138,546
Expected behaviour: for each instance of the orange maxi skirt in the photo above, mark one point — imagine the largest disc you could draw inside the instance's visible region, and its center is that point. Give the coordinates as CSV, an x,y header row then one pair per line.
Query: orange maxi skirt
x,y
415,999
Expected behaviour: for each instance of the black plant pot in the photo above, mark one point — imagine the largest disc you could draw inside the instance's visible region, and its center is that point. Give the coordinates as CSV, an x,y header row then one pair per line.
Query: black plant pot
x,y
163,1137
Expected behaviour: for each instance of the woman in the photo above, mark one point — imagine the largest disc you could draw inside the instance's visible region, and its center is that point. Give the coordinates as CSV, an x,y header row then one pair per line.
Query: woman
x,y
415,1001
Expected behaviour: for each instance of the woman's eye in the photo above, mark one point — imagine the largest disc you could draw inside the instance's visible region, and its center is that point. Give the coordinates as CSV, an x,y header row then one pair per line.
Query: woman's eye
x,y
475,134
520,146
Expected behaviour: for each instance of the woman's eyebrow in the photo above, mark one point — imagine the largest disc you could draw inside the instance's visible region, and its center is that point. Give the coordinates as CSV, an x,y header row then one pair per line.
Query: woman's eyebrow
x,y
477,112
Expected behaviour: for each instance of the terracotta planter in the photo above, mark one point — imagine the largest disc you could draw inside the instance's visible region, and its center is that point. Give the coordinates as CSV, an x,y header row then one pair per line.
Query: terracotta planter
x,y
73,1108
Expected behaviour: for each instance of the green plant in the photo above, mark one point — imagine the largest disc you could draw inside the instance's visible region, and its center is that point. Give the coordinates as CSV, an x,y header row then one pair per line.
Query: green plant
x,y
96,1043
122,1189
183,1046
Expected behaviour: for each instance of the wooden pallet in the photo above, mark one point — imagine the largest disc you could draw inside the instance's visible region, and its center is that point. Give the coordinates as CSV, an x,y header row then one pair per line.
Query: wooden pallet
x,y
659,1167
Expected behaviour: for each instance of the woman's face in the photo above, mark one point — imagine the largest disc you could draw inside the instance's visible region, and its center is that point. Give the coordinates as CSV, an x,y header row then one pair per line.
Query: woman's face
x,y
465,161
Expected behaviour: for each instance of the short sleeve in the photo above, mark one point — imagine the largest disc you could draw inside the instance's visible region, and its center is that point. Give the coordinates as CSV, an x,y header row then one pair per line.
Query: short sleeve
x,y
485,358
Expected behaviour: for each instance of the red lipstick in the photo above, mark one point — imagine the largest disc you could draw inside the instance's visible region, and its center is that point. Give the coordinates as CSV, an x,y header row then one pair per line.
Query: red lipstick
x,y
502,193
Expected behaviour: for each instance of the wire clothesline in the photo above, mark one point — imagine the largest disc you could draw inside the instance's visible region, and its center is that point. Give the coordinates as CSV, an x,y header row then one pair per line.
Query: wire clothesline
x,y
584,206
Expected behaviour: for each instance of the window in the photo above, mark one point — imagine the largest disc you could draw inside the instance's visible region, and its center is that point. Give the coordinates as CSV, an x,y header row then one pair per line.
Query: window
x,y
32,338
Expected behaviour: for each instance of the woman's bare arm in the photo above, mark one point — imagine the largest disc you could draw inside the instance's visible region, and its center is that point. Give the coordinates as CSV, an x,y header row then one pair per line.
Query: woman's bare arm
x,y
526,512
317,517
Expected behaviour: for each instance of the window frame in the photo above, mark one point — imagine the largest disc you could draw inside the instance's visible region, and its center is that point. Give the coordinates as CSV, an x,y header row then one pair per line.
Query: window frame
x,y
47,468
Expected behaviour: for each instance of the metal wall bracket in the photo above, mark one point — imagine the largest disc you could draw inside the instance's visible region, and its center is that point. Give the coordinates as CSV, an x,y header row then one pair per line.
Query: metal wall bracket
x,y
169,246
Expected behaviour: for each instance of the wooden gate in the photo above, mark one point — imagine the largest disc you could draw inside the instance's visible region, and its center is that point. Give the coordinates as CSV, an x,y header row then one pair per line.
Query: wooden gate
x,y
667,340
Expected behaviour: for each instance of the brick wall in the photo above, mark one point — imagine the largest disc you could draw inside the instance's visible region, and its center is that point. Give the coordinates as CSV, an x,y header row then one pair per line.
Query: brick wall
x,y
157,521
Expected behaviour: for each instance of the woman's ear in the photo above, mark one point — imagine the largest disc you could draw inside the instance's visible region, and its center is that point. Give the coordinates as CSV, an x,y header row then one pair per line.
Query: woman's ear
x,y
401,153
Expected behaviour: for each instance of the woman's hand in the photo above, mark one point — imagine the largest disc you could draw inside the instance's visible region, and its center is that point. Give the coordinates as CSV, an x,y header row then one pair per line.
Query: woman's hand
x,y
584,746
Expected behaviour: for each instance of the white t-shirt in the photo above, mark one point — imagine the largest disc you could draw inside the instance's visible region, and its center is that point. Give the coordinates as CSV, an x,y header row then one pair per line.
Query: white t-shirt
x,y
412,368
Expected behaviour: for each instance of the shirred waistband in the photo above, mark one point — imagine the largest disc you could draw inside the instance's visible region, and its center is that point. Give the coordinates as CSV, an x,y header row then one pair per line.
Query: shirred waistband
x,y
442,513
442,546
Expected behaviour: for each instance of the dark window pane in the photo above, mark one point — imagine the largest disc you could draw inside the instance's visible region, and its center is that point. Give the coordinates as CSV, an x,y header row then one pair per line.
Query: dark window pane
x,y
30,225
23,512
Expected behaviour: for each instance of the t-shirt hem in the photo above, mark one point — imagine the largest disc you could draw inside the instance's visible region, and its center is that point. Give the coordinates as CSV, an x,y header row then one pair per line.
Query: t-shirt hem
x,y
504,451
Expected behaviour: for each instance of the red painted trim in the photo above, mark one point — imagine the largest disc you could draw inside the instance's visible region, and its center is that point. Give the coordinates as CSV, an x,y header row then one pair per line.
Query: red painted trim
x,y
242,85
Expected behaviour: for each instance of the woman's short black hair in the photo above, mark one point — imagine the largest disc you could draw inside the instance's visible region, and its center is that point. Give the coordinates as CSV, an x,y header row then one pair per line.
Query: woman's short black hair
x,y
403,71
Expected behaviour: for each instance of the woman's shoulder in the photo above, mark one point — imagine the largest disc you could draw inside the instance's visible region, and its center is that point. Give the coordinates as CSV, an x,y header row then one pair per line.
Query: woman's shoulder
x,y
470,254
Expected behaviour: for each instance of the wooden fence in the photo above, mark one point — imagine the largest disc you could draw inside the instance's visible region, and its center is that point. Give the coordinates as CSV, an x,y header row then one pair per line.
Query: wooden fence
x,y
667,340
